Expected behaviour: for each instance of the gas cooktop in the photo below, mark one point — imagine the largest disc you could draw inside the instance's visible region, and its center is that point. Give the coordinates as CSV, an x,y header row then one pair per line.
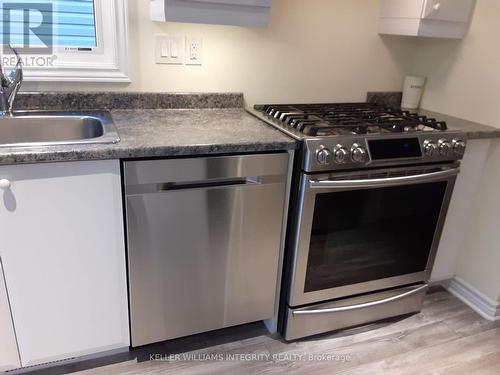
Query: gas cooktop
x,y
360,135
319,120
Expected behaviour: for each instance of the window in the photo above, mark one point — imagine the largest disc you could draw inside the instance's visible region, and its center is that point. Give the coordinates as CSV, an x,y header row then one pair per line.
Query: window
x,y
67,40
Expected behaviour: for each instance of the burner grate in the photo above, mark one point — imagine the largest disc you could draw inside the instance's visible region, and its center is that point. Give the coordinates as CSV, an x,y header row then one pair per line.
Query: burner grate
x,y
349,118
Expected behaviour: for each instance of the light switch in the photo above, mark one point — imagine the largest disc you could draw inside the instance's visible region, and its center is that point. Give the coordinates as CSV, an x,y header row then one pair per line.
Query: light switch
x,y
164,48
169,49
174,50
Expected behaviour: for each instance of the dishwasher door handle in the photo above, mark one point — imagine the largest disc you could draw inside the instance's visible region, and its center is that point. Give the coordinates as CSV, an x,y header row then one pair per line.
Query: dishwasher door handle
x,y
216,183
207,184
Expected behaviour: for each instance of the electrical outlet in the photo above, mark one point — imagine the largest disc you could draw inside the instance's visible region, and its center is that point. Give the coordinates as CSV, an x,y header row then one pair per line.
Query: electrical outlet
x,y
169,49
194,51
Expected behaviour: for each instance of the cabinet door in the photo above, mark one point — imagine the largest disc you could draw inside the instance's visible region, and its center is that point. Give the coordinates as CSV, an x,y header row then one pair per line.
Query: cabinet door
x,y
63,251
9,356
448,10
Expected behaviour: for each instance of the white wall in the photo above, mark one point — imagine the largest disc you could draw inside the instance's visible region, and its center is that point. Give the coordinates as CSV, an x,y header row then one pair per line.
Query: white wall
x,y
463,76
463,79
315,50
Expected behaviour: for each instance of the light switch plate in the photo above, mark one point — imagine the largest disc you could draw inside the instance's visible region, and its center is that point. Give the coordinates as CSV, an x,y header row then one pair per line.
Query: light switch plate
x,y
194,51
169,49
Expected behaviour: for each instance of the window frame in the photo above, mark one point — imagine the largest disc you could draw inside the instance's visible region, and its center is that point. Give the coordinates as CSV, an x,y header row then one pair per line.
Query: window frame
x,y
108,62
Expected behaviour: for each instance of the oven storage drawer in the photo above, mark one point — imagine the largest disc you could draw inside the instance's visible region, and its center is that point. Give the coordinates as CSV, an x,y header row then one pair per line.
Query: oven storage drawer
x,y
203,242
348,312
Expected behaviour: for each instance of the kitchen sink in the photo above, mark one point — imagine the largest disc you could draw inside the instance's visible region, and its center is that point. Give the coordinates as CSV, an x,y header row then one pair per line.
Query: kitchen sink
x,y
41,128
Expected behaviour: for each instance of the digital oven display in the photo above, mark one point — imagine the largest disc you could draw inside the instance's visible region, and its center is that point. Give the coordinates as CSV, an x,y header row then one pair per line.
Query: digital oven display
x,y
394,148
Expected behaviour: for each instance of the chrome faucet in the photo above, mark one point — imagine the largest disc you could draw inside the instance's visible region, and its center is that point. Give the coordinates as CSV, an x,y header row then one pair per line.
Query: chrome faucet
x,y
10,85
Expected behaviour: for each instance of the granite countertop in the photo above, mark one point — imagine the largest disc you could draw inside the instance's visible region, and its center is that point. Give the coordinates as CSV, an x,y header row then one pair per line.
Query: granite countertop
x,y
164,133
177,124
473,130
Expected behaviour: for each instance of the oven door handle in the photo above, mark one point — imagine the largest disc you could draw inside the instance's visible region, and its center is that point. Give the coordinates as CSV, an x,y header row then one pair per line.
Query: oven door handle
x,y
389,181
362,305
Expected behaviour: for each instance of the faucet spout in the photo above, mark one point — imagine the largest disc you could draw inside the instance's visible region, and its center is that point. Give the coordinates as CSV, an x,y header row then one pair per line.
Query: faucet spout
x,y
10,85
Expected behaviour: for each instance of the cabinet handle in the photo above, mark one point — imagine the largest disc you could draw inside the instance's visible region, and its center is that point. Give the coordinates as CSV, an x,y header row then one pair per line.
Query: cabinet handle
x,y
4,184
437,6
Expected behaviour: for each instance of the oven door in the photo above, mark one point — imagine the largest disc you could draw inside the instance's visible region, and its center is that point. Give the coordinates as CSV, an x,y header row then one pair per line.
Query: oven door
x,y
368,230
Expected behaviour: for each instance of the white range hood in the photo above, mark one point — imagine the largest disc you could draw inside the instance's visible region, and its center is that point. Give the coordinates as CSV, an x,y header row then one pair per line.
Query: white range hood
x,y
247,13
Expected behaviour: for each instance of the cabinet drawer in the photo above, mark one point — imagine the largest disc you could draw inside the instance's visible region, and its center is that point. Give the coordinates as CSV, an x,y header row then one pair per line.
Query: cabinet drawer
x,y
349,312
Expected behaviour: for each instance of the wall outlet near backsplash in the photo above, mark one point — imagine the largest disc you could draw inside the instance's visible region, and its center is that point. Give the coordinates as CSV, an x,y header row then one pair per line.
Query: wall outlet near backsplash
x,y
178,50
194,51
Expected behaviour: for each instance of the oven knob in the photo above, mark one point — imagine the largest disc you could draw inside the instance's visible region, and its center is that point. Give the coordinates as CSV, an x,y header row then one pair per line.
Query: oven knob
x,y
430,148
444,147
458,146
340,154
358,153
323,156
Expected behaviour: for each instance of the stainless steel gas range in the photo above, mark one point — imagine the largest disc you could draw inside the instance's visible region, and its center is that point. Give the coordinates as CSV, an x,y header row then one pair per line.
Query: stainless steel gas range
x,y
370,194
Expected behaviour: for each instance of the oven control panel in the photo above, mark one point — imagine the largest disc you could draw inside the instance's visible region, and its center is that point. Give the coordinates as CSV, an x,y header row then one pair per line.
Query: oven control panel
x,y
354,152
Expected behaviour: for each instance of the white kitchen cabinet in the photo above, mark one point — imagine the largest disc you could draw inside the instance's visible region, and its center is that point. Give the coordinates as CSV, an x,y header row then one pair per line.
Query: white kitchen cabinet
x,y
62,248
9,355
248,13
426,18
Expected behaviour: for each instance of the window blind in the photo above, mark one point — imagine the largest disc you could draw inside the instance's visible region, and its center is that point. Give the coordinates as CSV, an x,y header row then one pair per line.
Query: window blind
x,y
72,23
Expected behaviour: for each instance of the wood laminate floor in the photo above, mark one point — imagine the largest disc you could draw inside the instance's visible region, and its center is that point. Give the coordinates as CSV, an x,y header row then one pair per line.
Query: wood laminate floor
x,y
447,337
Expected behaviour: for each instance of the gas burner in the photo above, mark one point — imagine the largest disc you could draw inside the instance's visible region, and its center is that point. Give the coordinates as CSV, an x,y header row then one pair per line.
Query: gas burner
x,y
322,120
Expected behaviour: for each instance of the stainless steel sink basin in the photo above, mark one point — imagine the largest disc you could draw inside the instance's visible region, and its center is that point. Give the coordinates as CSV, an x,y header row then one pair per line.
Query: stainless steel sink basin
x,y
25,129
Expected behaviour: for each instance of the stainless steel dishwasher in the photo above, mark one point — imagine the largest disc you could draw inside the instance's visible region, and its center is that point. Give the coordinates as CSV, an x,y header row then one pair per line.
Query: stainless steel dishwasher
x,y
203,242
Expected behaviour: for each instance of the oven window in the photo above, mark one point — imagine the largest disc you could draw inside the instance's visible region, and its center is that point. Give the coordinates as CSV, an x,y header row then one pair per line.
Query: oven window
x,y
371,234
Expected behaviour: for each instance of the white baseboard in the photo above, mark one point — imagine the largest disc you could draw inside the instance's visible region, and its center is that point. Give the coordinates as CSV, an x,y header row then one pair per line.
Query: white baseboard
x,y
483,305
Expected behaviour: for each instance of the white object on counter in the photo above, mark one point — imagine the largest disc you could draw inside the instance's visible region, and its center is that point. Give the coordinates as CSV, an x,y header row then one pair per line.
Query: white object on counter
x,y
412,92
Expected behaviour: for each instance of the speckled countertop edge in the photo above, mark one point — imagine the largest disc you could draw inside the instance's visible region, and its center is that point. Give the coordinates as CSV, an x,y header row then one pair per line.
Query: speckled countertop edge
x,y
125,100
156,133
473,130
